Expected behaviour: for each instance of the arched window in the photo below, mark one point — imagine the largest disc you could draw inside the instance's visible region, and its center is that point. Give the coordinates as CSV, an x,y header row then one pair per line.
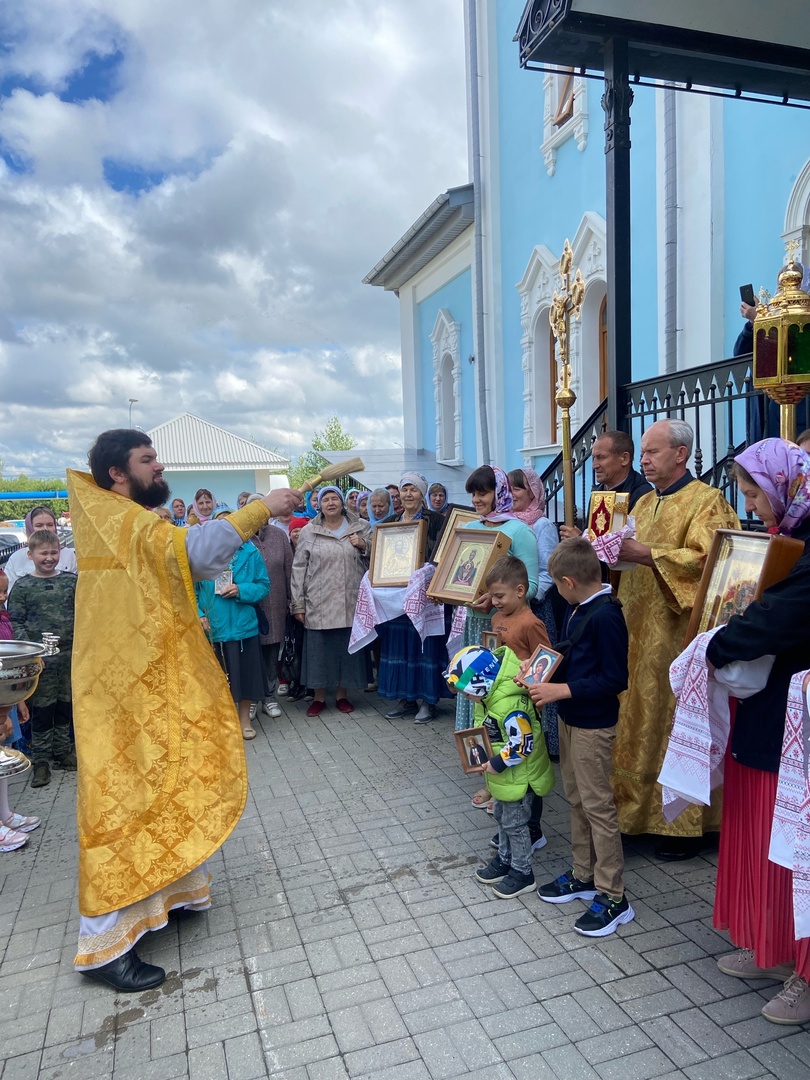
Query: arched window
x,y
588,352
603,350
446,340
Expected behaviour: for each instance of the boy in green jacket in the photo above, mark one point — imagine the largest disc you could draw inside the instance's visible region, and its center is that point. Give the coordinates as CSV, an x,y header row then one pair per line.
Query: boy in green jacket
x,y
519,766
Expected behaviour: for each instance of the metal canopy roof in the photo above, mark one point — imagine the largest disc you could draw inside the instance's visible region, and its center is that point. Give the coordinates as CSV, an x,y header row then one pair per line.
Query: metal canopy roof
x,y
741,46
445,219
188,443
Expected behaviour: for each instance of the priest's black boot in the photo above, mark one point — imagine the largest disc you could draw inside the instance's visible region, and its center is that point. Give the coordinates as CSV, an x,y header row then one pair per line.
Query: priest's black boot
x,y
128,974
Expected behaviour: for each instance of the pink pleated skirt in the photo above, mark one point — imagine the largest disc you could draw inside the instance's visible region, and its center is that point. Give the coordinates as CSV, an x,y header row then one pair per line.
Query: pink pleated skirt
x,y
754,896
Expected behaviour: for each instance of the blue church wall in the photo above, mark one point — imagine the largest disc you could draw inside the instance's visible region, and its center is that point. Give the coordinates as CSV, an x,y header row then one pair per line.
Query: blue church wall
x,y
765,148
455,297
540,209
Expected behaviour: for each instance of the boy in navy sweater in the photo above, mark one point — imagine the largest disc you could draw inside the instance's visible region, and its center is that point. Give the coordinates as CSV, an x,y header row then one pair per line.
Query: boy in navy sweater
x,y
587,686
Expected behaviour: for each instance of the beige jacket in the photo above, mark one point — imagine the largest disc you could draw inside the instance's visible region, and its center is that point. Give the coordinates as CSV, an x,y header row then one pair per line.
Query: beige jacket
x,y
326,573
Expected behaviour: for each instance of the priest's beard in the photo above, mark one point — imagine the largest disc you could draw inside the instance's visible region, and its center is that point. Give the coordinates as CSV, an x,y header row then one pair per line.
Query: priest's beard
x,y
149,495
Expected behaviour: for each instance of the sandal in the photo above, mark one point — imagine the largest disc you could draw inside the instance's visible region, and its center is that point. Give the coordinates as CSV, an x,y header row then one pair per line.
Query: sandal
x,y
481,798
491,806
248,733
11,840
22,824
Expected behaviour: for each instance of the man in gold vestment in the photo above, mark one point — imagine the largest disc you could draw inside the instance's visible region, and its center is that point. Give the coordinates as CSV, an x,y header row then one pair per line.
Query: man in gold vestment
x,y
162,780
675,524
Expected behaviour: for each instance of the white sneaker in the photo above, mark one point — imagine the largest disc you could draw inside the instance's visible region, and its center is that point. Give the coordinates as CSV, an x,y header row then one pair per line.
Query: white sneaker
x,y
272,709
283,690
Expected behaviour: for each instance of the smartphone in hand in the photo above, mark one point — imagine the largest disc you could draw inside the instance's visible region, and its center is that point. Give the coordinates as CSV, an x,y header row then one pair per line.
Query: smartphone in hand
x,y
747,295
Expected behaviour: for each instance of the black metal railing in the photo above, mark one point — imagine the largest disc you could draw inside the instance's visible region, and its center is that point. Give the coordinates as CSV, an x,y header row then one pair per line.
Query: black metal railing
x,y
720,403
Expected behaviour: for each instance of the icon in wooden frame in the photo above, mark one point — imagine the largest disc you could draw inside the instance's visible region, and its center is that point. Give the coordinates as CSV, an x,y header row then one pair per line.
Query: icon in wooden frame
x,y
474,748
461,574
397,550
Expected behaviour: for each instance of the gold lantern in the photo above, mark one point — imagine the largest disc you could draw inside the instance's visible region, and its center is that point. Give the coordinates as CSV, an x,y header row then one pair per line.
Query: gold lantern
x,y
782,343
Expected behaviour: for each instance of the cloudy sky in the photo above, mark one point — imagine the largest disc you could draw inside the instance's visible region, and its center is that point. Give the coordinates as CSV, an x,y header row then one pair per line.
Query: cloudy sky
x,y
190,195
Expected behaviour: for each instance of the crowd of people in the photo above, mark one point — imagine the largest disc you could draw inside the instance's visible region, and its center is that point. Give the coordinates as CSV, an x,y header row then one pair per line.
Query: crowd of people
x,y
268,593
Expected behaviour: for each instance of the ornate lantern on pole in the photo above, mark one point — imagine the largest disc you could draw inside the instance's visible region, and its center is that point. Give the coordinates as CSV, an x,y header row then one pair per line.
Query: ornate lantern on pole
x,y
564,304
782,343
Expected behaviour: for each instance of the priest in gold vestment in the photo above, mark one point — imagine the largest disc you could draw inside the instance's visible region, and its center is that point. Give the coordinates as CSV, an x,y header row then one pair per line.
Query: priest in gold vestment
x,y
162,778
675,524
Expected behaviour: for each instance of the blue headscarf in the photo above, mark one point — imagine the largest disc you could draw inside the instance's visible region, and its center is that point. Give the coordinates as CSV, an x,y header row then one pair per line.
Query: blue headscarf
x,y
372,520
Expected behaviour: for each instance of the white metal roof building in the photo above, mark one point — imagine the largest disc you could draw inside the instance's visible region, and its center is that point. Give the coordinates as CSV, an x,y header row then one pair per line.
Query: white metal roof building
x,y
198,454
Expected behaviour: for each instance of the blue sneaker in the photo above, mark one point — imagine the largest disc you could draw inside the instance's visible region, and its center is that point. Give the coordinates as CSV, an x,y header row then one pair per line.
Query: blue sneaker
x,y
566,888
603,916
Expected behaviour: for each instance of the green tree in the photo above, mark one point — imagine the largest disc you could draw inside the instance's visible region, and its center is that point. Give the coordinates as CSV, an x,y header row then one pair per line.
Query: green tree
x,y
15,509
333,437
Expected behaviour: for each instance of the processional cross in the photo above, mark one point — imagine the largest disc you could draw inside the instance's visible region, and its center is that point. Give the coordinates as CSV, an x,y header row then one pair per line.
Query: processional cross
x,y
565,303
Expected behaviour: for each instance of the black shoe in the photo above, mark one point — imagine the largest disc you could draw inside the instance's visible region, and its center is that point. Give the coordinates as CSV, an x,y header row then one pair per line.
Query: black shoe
x,y
68,762
565,888
494,841
42,774
402,708
603,916
128,973
492,874
679,848
514,884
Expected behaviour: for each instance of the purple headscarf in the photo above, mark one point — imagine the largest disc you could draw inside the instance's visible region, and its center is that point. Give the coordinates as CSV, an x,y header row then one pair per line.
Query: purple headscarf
x,y
502,509
782,470
29,518
537,507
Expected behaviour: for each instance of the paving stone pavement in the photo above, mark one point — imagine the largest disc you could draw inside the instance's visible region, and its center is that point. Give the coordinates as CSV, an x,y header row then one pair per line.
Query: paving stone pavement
x,y
348,938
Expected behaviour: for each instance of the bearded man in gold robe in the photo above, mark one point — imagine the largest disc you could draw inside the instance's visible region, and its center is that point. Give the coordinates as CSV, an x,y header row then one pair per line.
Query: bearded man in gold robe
x,y
162,779
675,524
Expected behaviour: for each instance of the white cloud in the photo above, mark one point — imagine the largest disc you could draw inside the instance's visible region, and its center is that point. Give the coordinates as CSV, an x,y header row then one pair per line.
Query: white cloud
x,y
296,143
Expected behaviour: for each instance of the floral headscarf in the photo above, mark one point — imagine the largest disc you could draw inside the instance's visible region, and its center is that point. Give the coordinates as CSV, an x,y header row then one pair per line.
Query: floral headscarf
x,y
782,470
502,509
363,497
537,507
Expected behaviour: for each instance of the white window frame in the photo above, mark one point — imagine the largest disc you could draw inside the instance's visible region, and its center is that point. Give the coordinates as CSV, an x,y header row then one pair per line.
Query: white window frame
x,y
446,340
576,127
536,289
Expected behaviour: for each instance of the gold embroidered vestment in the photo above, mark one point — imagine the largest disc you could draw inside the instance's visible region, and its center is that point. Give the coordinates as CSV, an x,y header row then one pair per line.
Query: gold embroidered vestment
x,y
657,604
162,780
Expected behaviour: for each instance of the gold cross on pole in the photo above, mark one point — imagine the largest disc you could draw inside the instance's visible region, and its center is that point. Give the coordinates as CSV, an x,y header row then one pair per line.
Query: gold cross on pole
x,y
565,303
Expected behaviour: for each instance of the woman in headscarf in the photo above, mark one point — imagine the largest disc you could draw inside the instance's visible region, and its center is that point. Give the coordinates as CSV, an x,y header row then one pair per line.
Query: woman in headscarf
x,y
754,896
529,506
350,498
439,503
408,672
242,499
362,505
380,507
19,565
491,497
202,507
274,547
178,512
228,615
329,563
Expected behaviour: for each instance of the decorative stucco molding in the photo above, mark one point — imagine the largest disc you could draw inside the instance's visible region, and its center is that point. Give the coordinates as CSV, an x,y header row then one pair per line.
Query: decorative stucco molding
x,y
446,340
797,215
536,289
574,128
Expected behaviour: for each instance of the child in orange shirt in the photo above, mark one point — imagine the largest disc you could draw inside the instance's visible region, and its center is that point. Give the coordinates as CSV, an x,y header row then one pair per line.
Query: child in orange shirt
x,y
521,631
519,628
